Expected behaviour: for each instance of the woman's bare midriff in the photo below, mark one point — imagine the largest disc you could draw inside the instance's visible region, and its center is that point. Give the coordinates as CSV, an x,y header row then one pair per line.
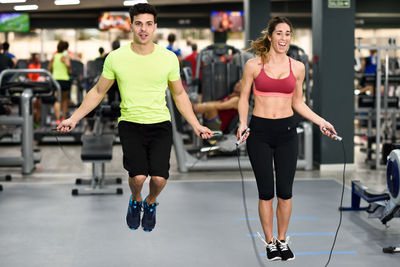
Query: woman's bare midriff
x,y
273,107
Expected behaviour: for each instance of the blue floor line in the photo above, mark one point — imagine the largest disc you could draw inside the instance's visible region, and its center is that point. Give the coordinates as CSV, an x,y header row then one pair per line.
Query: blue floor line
x,y
292,218
313,253
299,234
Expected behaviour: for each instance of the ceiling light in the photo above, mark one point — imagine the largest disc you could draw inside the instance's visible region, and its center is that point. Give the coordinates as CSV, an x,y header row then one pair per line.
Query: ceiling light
x,y
26,7
134,2
12,1
66,2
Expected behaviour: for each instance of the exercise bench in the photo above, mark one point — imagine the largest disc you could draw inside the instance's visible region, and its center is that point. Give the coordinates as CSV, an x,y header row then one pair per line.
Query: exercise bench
x,y
97,149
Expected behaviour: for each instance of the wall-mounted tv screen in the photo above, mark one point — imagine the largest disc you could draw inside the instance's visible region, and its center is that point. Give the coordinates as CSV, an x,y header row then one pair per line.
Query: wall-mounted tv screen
x,y
114,20
223,21
14,22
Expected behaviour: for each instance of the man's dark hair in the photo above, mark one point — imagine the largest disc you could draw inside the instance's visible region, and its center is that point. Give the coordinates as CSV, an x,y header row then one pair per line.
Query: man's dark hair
x,y
6,46
62,46
115,45
194,47
171,37
143,9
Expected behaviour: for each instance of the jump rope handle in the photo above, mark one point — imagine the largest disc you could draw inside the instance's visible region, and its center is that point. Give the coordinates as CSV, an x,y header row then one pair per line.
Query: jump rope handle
x,y
339,138
242,137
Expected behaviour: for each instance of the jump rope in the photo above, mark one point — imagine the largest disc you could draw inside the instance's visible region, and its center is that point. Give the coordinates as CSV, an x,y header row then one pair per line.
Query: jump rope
x,y
260,262
55,133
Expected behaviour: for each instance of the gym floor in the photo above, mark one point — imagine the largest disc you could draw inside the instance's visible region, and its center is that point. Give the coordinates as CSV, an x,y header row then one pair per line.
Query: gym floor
x,y
200,219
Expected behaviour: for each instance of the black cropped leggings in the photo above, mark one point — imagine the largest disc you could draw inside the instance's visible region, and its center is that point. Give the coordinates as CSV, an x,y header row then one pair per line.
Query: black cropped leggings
x,y
273,140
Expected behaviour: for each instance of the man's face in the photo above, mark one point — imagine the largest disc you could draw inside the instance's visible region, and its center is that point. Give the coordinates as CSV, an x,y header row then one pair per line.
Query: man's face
x,y
143,27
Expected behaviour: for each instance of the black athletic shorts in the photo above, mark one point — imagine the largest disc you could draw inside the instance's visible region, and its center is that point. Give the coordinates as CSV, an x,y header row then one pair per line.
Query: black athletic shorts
x,y
146,148
65,85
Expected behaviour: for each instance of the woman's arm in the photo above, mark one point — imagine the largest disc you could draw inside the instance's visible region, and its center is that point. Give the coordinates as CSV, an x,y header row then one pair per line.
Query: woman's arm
x,y
243,104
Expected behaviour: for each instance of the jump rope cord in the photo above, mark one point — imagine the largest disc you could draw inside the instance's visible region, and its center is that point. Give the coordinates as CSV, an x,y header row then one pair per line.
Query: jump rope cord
x,y
55,133
201,157
246,211
247,217
245,203
340,207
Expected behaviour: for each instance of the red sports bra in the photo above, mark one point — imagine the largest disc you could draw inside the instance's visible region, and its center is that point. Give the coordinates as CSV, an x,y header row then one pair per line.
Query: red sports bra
x,y
267,86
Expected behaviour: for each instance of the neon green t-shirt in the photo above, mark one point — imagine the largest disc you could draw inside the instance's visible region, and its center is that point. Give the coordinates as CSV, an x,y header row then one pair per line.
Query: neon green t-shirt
x,y
142,82
60,70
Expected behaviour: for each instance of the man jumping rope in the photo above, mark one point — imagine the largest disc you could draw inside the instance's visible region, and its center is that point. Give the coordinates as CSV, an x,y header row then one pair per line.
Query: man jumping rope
x,y
143,71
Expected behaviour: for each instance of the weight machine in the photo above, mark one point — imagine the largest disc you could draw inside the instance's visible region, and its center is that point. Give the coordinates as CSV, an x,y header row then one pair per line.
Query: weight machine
x,y
13,83
382,106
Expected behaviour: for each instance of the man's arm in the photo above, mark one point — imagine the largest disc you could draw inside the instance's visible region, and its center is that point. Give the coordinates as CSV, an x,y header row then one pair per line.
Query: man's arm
x,y
10,63
14,62
185,108
90,102
231,103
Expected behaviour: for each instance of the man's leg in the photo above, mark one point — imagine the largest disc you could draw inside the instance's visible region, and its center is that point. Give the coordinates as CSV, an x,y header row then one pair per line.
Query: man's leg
x,y
134,160
157,184
136,185
207,108
159,153
135,203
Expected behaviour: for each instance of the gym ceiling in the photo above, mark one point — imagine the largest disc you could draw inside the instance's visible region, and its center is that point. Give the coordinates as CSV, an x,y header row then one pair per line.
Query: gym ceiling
x,y
195,13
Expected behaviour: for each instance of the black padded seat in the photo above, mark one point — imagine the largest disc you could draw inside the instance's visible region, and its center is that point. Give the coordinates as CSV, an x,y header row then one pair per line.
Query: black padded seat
x,y
97,147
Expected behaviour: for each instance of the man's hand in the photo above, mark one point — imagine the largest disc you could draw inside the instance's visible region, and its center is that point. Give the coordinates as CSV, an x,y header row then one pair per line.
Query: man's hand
x,y
66,126
203,132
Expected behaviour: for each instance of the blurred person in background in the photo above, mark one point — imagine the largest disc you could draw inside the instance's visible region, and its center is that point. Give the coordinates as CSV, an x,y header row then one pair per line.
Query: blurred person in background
x,y
60,68
6,47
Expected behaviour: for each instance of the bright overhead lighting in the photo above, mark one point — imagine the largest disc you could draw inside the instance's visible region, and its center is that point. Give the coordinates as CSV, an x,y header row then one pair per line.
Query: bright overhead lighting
x,y
12,1
66,2
134,2
26,7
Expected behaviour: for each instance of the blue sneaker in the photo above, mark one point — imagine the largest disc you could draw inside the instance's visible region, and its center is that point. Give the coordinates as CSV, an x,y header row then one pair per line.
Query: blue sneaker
x,y
149,216
133,215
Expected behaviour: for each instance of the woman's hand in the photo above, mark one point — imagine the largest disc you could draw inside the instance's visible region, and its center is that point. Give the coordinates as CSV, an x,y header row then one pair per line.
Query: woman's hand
x,y
327,129
242,128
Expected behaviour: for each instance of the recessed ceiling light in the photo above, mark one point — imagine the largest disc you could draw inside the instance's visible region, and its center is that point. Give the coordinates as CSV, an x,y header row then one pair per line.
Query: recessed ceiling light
x,y
12,1
26,7
134,2
66,2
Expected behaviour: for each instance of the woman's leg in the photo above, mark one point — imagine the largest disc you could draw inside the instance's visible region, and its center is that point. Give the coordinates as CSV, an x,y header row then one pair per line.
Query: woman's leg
x,y
64,103
56,107
283,212
266,213
260,154
285,160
